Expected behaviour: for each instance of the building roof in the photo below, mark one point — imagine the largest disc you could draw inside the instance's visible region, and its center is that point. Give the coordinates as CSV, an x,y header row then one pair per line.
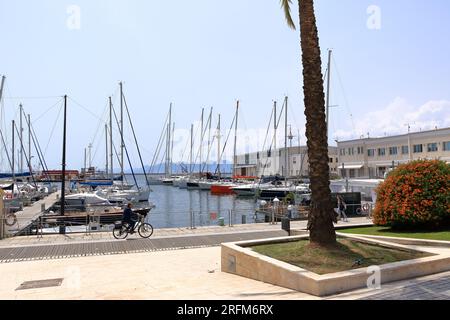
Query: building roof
x,y
442,131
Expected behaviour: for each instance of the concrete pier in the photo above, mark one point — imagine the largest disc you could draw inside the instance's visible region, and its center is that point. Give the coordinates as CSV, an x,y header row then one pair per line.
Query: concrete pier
x,y
29,214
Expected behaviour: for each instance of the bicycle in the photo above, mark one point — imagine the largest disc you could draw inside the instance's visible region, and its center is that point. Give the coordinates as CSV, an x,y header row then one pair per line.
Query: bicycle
x,y
366,210
145,230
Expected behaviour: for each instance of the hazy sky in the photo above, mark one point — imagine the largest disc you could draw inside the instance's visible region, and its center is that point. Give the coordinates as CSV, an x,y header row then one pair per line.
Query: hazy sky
x,y
390,67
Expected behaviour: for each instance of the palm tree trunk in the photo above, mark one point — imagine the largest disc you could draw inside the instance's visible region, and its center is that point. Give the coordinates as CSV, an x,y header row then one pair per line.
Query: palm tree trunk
x,y
321,217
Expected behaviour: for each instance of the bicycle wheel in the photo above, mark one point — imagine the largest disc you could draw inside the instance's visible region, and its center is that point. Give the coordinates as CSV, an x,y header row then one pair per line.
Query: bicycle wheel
x,y
121,233
11,220
145,230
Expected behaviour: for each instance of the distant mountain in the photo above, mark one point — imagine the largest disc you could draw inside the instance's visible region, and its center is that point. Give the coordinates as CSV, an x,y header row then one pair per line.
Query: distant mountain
x,y
177,168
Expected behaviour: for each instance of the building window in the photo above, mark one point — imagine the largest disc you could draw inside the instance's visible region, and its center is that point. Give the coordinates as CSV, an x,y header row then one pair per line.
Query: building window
x,y
342,152
294,160
446,146
371,152
331,160
247,159
432,147
418,148
360,150
381,152
351,151
405,150
280,153
393,151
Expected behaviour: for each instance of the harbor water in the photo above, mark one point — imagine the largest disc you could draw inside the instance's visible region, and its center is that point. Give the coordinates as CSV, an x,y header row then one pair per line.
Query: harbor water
x,y
181,208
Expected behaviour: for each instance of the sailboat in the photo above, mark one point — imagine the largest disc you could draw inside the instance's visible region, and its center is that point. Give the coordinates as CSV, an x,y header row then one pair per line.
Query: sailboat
x,y
226,187
120,192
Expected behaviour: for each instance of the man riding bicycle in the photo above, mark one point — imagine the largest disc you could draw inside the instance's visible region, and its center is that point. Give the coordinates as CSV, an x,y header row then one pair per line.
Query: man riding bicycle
x,y
130,218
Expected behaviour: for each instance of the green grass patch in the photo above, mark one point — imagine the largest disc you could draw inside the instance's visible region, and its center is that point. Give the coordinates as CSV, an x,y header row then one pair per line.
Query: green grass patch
x,y
388,232
348,254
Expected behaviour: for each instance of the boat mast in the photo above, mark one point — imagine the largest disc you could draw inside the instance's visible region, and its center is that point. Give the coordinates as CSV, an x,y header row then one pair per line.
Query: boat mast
x,y
201,142
106,153
13,155
235,141
85,161
218,148
1,88
21,137
286,150
328,92
62,229
274,152
190,156
122,144
168,143
209,140
111,147
29,144
171,147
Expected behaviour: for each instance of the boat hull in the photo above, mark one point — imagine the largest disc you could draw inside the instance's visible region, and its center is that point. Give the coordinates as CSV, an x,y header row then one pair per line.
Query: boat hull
x,y
193,185
218,189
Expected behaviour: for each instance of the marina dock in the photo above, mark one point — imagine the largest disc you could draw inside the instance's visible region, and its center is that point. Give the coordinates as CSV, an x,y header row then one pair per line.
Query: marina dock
x,y
29,214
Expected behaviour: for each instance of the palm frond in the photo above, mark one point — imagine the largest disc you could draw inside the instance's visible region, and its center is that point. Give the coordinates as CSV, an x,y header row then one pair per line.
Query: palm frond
x,y
286,5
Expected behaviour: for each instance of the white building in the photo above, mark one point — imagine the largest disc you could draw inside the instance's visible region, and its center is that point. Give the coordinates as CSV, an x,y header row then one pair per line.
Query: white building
x,y
373,157
273,162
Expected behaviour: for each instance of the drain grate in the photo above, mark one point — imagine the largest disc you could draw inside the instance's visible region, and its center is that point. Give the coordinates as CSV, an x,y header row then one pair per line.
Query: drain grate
x,y
40,284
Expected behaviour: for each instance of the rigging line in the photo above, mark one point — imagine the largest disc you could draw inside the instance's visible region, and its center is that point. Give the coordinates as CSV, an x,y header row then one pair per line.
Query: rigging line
x,y
162,136
36,145
347,106
53,130
26,156
225,145
47,111
31,98
271,145
268,130
161,162
39,149
202,137
211,142
101,122
163,133
135,139
209,152
158,151
6,149
97,147
85,109
95,116
126,151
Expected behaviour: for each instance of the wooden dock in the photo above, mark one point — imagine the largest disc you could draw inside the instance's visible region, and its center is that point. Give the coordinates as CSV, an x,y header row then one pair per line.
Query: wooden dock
x,y
31,213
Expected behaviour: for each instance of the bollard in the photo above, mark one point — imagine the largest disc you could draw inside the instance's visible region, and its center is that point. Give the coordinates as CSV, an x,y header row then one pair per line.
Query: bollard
x,y
230,222
244,219
286,225
2,227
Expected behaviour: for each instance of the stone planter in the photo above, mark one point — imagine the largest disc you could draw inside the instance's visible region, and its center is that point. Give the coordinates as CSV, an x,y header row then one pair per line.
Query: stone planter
x,y
237,258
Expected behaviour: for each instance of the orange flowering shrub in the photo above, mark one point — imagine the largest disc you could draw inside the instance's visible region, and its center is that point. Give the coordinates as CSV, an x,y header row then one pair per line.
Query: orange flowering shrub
x,y
416,194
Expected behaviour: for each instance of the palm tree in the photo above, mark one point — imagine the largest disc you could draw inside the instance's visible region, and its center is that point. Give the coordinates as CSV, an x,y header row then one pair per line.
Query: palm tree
x,y
321,218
